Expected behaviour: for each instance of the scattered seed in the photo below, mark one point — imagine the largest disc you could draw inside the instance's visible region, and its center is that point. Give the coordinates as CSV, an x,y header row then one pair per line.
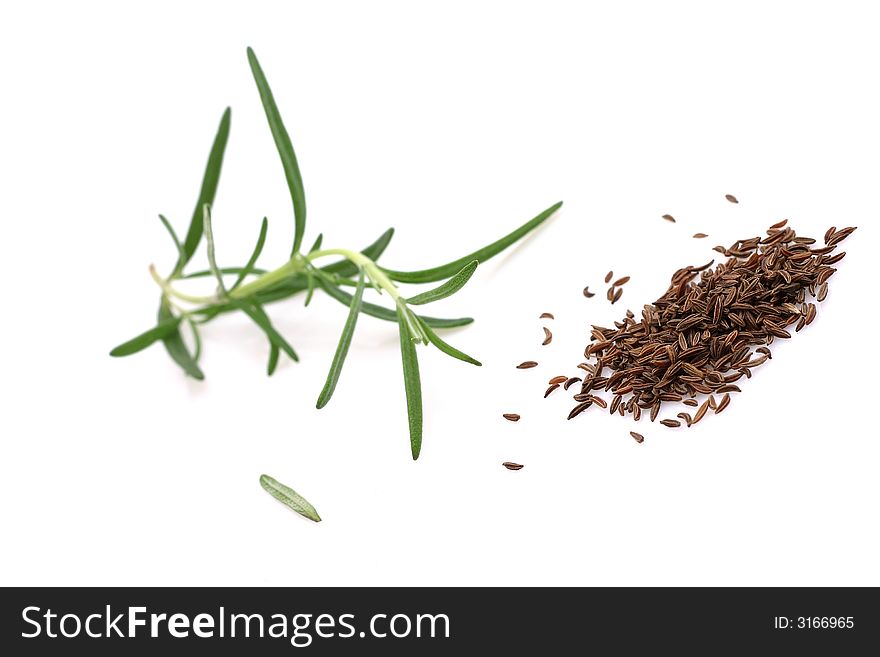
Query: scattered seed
x,y
527,365
570,382
558,379
620,281
725,400
598,401
548,336
669,218
731,198
639,437
546,316
617,296
580,408
513,417
779,224
701,411
686,417
609,276
822,292
587,292
512,466
550,389
670,423
690,402
699,236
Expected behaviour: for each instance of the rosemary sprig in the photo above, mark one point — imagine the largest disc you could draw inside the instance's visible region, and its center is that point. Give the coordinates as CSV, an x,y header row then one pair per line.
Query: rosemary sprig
x,y
253,288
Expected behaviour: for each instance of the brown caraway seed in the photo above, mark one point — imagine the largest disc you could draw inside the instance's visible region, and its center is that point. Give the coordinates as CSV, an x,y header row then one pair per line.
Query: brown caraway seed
x,y
550,389
558,379
670,423
546,316
731,198
711,327
548,336
512,466
570,382
620,281
513,417
639,437
587,292
701,411
779,224
609,276
669,218
527,365
617,296
699,236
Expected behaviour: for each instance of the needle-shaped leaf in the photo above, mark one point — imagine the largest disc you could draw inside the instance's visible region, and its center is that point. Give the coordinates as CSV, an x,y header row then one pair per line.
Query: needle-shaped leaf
x,y
310,282
448,288
387,314
318,241
449,269
176,347
285,150
444,347
212,260
148,337
174,238
344,343
273,359
289,497
258,249
411,381
261,319
204,273
207,192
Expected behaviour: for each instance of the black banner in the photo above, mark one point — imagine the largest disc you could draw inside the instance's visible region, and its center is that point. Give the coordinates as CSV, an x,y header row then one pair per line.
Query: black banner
x,y
277,621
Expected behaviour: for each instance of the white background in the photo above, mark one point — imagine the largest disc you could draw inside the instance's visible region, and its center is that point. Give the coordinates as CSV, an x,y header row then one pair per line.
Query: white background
x,y
453,122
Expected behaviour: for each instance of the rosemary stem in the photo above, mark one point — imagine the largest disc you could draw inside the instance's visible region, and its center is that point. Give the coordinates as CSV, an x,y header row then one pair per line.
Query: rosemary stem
x,y
376,275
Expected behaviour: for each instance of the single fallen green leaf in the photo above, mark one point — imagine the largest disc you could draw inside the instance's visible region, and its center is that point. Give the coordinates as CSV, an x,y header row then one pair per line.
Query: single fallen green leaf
x,y
258,249
344,344
448,288
206,194
285,150
380,312
176,347
148,337
289,497
482,255
445,347
411,382
261,319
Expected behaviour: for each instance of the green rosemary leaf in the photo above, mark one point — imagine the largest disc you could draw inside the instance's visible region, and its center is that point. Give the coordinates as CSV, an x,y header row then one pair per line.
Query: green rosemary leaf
x,y
261,319
207,192
318,241
176,347
285,150
258,249
387,314
197,338
148,337
310,282
204,273
212,260
448,288
289,497
449,269
411,381
273,359
344,344
174,238
446,348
